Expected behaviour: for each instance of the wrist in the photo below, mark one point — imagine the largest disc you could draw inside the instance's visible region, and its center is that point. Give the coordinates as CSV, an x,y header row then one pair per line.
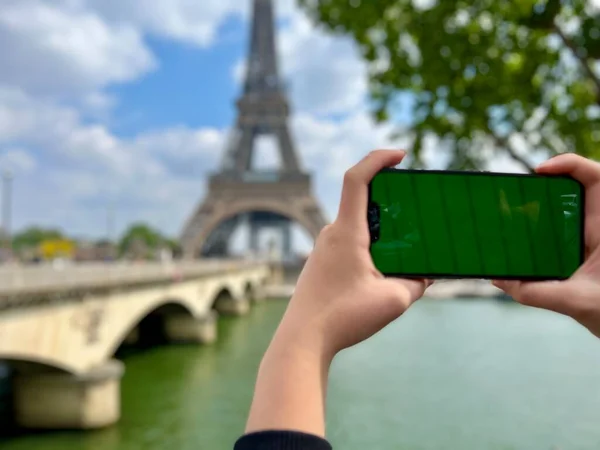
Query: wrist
x,y
300,342
291,385
289,358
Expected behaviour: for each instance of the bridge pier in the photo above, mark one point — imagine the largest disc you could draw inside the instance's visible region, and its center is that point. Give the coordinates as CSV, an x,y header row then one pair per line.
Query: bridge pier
x,y
65,401
189,329
255,295
230,306
277,275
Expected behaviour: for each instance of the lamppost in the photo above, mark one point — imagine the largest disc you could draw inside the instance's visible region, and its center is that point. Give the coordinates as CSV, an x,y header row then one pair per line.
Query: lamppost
x,y
7,178
110,224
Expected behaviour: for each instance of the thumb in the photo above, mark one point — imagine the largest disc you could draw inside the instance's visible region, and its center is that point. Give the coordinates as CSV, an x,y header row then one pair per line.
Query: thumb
x,y
551,295
403,293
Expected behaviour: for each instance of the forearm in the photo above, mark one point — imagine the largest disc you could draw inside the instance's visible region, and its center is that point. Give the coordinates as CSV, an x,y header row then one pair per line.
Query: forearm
x,y
291,387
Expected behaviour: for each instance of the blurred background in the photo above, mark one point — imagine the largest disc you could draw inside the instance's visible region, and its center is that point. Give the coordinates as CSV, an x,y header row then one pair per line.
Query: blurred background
x,y
166,163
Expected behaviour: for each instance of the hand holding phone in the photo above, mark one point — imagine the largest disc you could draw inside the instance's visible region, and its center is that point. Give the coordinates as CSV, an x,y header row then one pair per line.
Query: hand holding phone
x,y
579,296
443,224
340,297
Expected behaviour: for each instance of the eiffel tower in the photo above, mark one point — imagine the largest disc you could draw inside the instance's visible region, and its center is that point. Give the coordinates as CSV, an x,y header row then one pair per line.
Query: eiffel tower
x,y
238,193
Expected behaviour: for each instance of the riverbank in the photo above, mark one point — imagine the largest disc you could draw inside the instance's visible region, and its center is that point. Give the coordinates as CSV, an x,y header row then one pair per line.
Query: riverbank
x,y
442,289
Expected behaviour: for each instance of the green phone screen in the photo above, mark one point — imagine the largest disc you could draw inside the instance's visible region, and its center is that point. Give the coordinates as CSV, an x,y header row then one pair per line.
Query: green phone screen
x,y
475,225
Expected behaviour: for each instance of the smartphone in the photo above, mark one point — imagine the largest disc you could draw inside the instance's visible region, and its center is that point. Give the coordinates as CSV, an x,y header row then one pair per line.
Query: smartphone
x,y
444,224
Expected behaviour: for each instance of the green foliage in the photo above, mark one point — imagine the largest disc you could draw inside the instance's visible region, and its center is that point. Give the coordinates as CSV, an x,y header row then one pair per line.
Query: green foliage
x,y
488,77
32,237
141,238
174,246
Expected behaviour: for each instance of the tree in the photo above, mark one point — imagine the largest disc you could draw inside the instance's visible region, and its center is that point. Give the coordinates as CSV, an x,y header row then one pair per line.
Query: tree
x,y
32,237
489,78
174,246
141,240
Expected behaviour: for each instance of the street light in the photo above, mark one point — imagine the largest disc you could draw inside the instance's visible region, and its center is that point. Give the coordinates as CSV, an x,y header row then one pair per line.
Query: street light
x,y
7,178
110,221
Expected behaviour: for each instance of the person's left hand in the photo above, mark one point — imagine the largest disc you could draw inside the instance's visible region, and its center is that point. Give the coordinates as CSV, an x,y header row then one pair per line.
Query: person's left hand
x,y
341,299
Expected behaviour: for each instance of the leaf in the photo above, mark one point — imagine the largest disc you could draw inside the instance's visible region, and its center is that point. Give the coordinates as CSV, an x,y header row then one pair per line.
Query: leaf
x,y
478,71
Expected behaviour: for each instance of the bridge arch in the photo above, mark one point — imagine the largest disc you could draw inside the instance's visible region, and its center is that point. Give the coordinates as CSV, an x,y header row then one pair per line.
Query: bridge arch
x,y
157,311
86,333
224,292
223,297
299,216
67,350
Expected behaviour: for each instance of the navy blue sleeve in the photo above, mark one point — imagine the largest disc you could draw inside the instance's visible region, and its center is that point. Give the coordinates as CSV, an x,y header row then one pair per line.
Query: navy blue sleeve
x,y
281,440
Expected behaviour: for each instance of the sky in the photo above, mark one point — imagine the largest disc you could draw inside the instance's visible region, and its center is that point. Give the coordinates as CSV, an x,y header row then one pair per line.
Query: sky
x,y
112,105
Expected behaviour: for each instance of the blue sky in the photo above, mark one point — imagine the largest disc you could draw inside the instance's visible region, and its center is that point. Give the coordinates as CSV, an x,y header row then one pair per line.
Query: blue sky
x,y
193,86
107,105
112,105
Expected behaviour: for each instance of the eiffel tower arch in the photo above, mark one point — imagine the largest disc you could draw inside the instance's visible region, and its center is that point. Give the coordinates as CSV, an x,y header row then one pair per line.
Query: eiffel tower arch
x,y
238,193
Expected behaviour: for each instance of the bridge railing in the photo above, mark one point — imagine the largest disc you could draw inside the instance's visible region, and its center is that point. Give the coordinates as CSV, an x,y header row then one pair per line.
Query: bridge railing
x,y
16,280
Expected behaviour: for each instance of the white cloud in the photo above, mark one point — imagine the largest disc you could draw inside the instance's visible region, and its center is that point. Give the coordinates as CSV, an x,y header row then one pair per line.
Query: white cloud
x,y
328,148
156,176
97,103
68,170
326,72
56,131
239,71
185,20
334,145
49,49
183,151
16,160
86,45
191,21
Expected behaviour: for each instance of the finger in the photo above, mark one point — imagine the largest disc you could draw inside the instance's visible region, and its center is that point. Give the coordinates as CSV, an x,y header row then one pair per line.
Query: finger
x,y
584,170
506,285
353,206
414,288
551,295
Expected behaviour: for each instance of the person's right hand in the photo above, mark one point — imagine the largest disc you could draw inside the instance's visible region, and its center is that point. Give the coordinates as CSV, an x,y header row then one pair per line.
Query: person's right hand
x,y
579,296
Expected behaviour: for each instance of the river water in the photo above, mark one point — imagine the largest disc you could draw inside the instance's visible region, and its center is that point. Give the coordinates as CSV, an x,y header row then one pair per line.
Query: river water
x,y
448,375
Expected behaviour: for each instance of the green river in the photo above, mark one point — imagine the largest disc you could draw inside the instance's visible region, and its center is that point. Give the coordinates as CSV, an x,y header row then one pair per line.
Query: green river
x,y
448,375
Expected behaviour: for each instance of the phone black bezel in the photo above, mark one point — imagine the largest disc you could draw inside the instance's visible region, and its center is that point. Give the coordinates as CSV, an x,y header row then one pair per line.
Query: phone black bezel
x,y
443,276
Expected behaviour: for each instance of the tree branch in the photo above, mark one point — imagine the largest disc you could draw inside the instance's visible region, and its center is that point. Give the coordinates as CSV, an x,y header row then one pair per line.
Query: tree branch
x,y
553,150
583,61
543,138
503,143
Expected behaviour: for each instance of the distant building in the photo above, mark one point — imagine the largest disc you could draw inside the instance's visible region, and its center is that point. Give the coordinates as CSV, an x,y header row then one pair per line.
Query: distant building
x,y
137,249
95,251
5,252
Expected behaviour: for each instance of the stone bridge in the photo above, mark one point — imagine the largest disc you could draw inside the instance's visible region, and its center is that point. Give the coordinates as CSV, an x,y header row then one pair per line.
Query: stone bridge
x,y
60,328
